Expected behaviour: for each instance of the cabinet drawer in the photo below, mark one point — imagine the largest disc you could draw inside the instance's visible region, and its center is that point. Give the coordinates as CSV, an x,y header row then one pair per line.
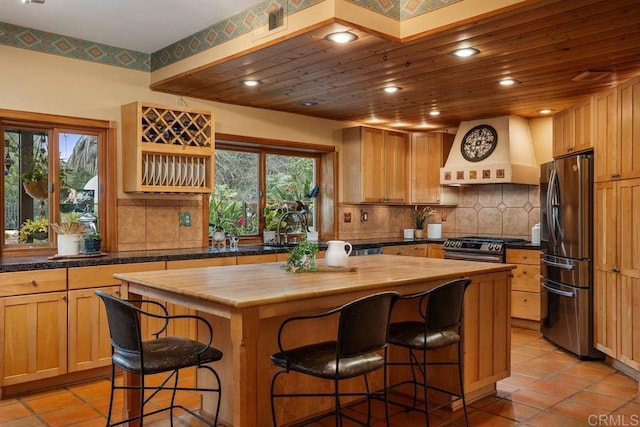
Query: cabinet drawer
x,y
523,256
525,305
203,262
526,278
102,275
33,282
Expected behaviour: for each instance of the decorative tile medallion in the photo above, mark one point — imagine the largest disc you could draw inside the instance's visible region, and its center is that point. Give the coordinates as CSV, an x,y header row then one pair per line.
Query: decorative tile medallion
x,y
486,174
447,176
499,173
460,175
473,174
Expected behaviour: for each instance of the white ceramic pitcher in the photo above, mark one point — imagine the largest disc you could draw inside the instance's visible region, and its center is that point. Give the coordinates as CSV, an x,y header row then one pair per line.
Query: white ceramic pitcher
x,y
337,253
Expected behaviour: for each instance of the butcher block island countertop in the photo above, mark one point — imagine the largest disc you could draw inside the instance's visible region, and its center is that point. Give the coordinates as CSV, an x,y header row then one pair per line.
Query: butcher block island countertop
x,y
247,303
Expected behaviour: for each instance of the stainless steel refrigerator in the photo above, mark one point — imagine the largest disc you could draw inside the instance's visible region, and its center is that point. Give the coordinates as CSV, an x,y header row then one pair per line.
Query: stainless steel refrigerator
x,y
566,235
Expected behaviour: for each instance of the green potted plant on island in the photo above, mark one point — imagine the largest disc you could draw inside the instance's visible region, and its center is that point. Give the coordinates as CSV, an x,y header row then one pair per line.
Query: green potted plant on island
x,y
92,243
302,257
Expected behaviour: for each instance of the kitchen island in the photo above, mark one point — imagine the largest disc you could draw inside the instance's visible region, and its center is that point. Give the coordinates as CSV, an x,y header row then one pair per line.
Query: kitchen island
x,y
247,303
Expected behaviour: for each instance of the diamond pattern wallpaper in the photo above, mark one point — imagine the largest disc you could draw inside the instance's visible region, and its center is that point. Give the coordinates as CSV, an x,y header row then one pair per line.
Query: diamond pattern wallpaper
x,y
235,26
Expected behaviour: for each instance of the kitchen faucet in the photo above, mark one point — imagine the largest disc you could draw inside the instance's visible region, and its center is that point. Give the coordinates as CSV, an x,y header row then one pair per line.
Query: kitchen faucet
x,y
301,219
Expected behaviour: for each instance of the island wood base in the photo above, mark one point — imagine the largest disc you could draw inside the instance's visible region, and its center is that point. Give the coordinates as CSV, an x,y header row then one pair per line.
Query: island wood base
x,y
246,331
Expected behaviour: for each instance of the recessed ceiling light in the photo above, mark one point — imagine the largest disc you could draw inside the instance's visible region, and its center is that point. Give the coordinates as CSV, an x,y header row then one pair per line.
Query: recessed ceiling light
x,y
307,103
391,89
32,1
546,111
251,83
465,52
507,82
341,37
434,113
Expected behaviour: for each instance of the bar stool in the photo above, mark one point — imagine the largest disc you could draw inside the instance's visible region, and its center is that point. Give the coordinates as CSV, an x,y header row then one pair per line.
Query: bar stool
x,y
361,336
159,355
441,311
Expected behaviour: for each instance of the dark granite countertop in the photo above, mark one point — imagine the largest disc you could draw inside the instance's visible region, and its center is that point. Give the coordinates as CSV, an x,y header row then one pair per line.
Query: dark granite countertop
x,y
8,264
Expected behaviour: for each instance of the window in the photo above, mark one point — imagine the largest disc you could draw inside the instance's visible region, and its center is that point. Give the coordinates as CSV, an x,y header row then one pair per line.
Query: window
x,y
40,187
284,177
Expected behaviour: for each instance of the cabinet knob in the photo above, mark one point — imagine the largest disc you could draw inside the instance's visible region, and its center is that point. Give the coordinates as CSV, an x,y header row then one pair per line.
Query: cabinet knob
x,y
524,272
524,257
615,175
117,293
64,298
615,269
524,299
33,282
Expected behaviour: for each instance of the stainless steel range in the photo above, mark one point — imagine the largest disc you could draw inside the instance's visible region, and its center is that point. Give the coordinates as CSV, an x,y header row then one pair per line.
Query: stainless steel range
x,y
475,248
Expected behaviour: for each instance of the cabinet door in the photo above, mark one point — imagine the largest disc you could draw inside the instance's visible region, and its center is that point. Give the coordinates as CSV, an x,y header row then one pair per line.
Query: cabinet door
x,y
396,150
604,267
33,331
606,147
562,127
629,94
373,172
404,250
629,272
89,339
426,155
435,250
582,138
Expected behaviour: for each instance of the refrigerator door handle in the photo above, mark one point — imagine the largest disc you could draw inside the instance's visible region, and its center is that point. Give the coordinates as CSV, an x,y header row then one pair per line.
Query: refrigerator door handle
x,y
558,291
557,264
550,210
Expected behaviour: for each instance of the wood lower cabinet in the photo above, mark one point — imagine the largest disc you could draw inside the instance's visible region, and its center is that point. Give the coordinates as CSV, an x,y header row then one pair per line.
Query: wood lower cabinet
x,y
617,270
34,337
88,329
375,166
435,250
419,250
525,285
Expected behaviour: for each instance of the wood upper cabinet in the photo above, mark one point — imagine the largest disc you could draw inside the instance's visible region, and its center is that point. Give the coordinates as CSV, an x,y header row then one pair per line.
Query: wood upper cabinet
x,y
429,151
167,149
617,270
375,166
607,151
617,132
572,130
525,285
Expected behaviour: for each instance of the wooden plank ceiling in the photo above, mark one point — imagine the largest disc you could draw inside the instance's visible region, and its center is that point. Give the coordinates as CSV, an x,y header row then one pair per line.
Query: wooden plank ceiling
x,y
544,46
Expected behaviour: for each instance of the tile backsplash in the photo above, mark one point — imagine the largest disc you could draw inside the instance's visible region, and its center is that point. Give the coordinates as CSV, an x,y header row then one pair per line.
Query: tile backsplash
x,y
507,210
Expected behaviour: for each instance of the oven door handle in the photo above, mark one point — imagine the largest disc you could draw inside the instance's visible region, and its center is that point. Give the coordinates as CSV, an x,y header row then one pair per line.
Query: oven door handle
x,y
474,257
558,291
557,264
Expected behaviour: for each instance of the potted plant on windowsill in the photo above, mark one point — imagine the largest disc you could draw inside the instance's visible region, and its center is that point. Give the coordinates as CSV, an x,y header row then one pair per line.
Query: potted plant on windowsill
x,y
36,177
69,232
92,243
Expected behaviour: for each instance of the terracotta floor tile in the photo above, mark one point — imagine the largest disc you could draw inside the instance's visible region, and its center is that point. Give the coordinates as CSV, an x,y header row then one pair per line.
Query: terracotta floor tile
x,y
614,390
618,378
481,418
532,352
531,371
629,411
53,401
544,362
13,411
67,416
519,380
587,371
554,388
597,401
561,356
31,421
535,399
574,410
512,410
94,390
572,380
548,419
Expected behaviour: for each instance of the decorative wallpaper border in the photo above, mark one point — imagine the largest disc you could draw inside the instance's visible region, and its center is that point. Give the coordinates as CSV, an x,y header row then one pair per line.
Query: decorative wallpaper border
x,y
56,44
235,26
402,9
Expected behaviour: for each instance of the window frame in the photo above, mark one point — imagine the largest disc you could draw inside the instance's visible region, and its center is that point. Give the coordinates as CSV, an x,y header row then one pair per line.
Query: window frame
x,y
55,125
264,147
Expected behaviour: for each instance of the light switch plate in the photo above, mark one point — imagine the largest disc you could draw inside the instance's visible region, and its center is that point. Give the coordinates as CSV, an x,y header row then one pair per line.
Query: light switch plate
x,y
185,219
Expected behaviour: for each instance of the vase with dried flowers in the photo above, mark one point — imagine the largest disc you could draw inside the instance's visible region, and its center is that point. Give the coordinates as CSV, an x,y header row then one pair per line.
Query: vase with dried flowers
x,y
69,232
420,218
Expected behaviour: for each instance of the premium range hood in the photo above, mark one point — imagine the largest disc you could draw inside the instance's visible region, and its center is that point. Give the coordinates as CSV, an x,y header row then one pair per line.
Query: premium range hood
x,y
497,150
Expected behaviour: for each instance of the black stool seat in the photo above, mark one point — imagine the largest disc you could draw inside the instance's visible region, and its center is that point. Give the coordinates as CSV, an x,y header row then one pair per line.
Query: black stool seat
x,y
413,335
319,360
165,354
